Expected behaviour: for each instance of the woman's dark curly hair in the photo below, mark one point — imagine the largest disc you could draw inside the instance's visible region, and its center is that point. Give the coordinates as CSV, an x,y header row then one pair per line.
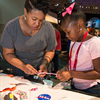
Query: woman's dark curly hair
x,y
42,5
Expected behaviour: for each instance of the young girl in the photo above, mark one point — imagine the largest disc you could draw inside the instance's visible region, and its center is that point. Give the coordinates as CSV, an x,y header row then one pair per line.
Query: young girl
x,y
84,63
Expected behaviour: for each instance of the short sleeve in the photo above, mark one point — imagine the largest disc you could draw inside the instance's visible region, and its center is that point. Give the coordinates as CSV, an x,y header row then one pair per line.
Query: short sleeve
x,y
7,39
51,44
95,48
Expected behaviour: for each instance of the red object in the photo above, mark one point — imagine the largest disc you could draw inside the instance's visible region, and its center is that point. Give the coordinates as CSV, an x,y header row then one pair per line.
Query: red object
x,y
34,89
58,39
75,62
8,89
22,78
10,75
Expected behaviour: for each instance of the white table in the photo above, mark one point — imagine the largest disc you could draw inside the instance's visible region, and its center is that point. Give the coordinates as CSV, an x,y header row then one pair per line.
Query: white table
x,y
56,94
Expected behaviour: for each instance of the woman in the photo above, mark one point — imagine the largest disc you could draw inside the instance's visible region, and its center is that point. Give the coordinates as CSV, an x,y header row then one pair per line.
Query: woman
x,y
28,41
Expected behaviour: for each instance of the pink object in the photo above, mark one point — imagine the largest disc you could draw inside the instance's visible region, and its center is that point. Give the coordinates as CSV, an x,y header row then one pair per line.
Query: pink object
x,y
34,89
47,73
68,10
89,50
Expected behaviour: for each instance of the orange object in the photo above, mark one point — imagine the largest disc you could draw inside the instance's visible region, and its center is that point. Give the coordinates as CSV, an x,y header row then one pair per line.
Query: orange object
x,y
10,75
8,89
13,88
90,29
22,77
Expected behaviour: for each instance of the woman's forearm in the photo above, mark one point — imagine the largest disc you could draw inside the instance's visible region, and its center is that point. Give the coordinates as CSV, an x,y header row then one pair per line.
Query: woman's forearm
x,y
13,60
49,55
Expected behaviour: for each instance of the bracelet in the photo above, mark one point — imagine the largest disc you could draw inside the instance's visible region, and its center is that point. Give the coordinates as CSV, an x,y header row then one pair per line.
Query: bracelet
x,y
66,68
48,57
45,61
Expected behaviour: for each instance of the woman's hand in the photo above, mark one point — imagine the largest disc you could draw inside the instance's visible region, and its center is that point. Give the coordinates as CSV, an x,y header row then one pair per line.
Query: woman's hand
x,y
28,69
43,68
63,75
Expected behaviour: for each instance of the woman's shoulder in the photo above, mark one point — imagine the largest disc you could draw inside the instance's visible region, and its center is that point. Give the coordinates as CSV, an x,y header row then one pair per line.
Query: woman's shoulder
x,y
12,22
47,24
11,27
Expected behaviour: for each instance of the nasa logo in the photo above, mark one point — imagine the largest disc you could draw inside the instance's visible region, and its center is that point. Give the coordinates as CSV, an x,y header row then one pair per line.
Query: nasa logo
x,y
44,97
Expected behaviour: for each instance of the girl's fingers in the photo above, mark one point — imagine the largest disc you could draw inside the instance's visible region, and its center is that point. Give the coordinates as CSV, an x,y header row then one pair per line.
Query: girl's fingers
x,y
58,72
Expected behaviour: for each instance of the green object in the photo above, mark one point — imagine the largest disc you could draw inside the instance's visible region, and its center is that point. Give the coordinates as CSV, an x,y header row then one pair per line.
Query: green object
x,y
20,98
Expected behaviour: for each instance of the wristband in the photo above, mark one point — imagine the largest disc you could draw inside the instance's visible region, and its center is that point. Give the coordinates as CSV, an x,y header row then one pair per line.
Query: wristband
x,y
45,61
66,68
48,57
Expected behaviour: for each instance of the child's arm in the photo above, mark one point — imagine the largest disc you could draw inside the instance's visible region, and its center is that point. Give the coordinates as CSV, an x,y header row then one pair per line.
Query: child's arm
x,y
65,68
89,75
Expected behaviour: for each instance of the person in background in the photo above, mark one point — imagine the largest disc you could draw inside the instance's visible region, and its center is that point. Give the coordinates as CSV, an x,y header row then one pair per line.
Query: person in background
x,y
90,31
68,47
28,41
97,32
84,63
56,59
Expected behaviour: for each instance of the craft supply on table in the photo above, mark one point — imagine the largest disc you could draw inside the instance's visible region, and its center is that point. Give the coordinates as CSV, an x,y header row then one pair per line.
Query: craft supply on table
x,y
48,73
61,85
33,78
10,96
22,95
34,89
8,89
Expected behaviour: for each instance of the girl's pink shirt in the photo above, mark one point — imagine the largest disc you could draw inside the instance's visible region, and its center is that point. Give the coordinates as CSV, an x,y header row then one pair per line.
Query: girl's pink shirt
x,y
89,50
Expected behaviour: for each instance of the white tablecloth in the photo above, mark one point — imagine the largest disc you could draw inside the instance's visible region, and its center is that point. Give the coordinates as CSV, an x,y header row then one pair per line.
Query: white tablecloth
x,y
43,92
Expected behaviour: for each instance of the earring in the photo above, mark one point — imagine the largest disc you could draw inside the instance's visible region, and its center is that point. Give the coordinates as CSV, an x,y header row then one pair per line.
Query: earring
x,y
25,17
80,28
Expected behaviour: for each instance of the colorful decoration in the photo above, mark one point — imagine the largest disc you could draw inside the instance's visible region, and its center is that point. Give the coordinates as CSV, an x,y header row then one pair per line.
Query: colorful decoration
x,y
22,94
34,89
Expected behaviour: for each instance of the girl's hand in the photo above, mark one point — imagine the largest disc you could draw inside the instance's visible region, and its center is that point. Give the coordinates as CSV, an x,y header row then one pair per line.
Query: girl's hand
x,y
61,70
43,68
64,76
28,69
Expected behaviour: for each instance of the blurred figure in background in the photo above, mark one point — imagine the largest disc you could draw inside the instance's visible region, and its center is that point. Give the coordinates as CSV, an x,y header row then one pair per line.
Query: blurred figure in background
x,y
68,47
56,59
97,32
90,31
